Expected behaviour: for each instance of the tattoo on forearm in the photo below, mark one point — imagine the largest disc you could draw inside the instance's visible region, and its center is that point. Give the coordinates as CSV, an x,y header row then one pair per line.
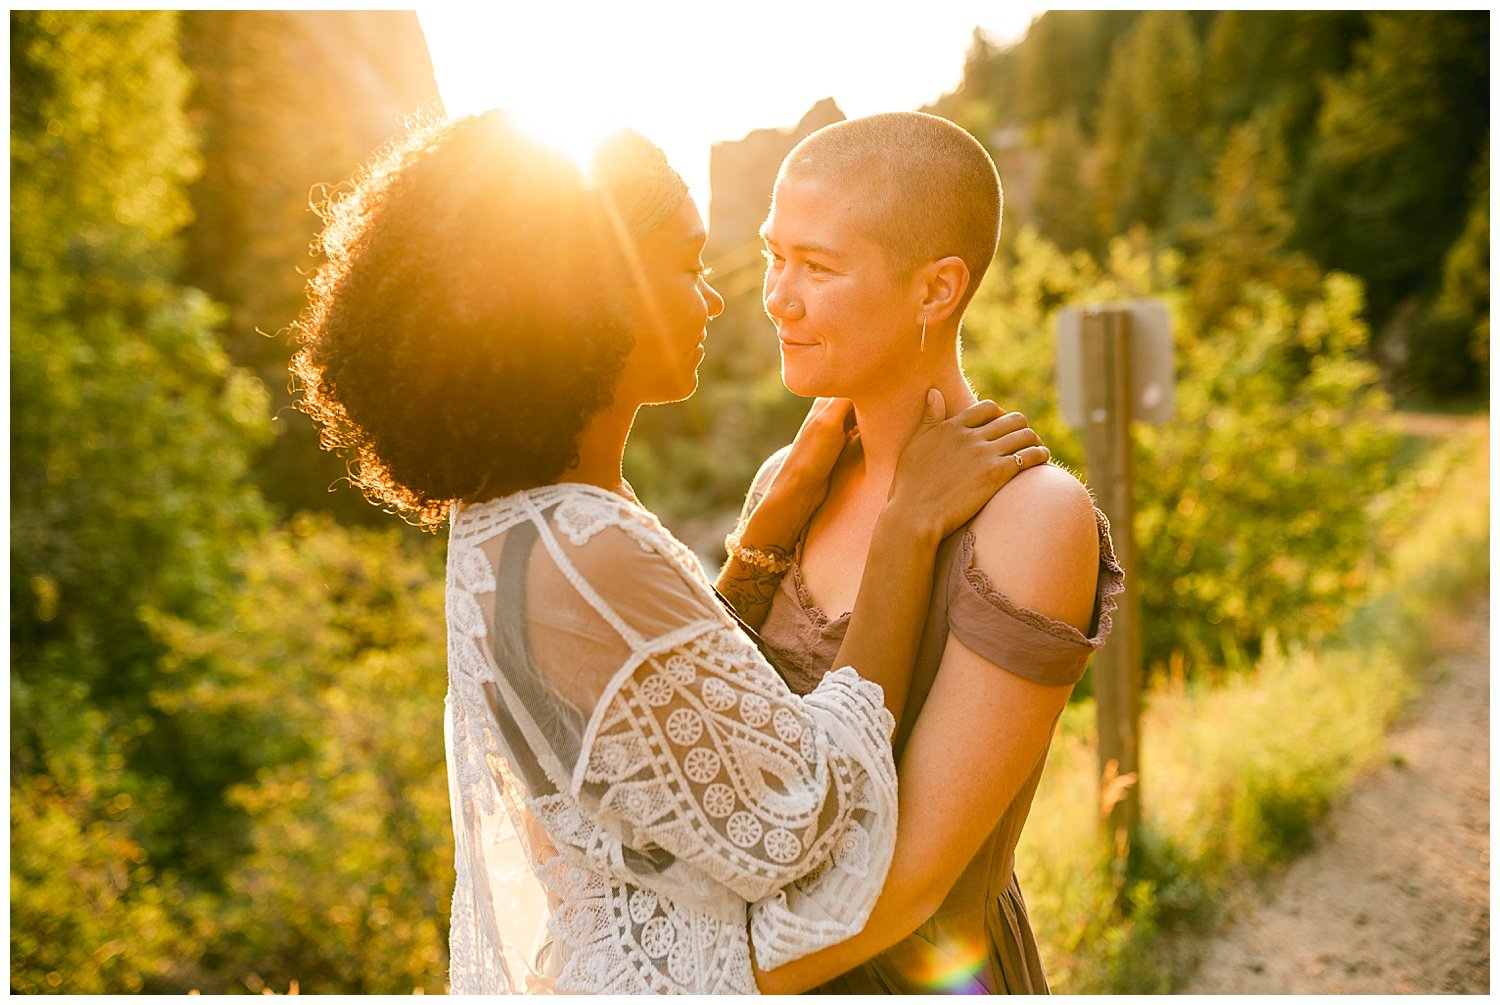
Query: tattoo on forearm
x,y
750,592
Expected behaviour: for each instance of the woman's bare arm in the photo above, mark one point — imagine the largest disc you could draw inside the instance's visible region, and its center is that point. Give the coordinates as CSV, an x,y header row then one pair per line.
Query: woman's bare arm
x,y
772,529
787,492
982,729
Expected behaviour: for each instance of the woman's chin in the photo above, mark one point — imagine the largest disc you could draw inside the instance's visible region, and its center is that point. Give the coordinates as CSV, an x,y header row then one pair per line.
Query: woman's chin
x,y
681,392
802,384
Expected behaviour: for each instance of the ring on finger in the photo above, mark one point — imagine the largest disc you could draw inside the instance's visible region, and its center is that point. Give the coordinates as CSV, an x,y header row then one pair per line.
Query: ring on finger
x,y
1019,463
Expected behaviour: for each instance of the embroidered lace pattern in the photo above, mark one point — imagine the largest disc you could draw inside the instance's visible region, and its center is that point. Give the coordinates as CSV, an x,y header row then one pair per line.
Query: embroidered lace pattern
x,y
622,757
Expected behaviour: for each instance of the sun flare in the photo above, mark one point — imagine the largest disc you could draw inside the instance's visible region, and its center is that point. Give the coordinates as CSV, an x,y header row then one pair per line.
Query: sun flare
x,y
577,134
688,76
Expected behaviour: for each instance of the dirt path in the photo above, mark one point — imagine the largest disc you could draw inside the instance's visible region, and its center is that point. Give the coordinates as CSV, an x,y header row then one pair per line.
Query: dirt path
x,y
1395,897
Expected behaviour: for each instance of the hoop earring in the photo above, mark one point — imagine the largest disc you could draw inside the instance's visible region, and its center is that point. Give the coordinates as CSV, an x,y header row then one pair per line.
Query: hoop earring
x,y
924,335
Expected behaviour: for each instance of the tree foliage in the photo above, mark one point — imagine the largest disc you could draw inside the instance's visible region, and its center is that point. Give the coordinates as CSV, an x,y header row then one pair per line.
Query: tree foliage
x,y
1397,138
126,413
1243,240
1376,120
1062,63
90,913
1462,307
1064,190
130,435
1151,120
1254,501
1274,64
325,678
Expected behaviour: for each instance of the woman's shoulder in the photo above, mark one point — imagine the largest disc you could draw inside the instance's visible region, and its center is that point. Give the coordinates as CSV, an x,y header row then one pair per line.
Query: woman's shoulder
x,y
599,541
584,519
1039,541
1034,583
1047,501
576,509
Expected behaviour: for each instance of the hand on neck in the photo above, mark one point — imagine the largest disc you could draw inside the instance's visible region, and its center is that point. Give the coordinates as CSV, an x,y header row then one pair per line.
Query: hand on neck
x,y
888,415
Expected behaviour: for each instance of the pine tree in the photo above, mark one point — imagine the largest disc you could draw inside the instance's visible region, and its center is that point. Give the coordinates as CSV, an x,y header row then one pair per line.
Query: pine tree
x,y
1397,137
1449,349
1259,61
1063,62
1150,122
1242,245
1063,190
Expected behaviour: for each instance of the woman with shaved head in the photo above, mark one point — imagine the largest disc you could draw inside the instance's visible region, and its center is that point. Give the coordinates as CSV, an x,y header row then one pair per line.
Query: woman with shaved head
x,y
879,232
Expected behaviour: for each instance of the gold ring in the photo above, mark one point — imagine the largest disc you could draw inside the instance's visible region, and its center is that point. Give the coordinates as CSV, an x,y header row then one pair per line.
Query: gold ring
x,y
1019,463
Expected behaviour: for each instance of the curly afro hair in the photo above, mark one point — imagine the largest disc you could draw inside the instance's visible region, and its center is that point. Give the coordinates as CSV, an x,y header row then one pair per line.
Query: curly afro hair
x,y
469,319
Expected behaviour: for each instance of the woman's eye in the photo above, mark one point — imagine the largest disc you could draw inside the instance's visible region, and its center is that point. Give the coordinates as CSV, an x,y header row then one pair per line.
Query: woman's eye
x,y
771,257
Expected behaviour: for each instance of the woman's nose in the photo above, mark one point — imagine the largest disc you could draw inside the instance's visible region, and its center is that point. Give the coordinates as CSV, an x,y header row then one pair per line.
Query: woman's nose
x,y
715,301
779,302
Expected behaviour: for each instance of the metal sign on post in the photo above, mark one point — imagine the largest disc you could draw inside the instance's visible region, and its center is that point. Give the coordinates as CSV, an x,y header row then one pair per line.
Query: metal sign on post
x,y
1152,367
1115,365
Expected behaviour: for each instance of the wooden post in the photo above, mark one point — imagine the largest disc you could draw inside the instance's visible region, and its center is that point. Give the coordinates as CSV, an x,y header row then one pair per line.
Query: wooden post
x,y
1106,389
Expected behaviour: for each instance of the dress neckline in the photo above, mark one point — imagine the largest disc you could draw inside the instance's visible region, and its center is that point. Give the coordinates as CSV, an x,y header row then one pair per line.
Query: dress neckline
x,y
588,488
814,613
819,617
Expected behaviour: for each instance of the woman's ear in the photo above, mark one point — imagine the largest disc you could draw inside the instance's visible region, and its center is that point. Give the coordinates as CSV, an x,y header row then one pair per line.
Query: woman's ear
x,y
946,281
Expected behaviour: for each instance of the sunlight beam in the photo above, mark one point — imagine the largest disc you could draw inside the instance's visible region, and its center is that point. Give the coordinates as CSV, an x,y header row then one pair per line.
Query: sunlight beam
x,y
688,75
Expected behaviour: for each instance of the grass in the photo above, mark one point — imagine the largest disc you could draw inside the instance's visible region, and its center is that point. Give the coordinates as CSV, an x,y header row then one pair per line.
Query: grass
x,y
1237,773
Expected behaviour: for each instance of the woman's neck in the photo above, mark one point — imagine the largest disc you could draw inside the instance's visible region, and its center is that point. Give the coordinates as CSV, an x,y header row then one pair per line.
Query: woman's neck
x,y
888,416
601,450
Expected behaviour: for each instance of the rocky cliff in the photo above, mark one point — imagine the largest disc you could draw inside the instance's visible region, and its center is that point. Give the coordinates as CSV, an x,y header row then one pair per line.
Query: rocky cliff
x,y
740,175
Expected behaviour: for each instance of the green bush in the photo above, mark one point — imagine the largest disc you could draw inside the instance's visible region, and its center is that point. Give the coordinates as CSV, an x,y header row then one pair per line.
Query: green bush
x,y
89,913
1252,502
326,677
1237,770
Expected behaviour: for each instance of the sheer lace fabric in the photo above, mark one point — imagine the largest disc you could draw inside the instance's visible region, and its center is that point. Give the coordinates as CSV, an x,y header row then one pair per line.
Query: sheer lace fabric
x,y
621,756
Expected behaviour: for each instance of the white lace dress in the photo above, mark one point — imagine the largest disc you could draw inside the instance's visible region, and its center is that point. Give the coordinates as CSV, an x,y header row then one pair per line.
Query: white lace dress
x,y
625,765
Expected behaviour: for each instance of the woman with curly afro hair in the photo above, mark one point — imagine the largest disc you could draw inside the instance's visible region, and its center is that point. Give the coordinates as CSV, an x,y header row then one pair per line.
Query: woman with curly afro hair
x,y
639,801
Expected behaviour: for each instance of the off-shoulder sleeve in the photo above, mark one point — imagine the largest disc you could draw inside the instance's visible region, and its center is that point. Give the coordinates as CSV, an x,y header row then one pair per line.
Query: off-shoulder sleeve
x,y
695,770
1024,642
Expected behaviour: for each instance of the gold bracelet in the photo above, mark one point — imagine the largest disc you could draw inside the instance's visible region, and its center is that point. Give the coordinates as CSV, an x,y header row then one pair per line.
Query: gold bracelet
x,y
766,561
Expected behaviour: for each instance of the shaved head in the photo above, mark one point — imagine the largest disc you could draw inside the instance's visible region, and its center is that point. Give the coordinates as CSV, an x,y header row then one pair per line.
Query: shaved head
x,y
931,190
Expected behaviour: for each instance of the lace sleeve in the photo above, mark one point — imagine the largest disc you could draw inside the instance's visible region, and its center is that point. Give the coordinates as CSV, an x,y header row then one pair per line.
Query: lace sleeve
x,y
788,802
695,757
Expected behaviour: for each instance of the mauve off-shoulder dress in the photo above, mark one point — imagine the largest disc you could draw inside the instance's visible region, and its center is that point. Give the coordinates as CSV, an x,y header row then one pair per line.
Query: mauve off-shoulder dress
x,y
980,940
